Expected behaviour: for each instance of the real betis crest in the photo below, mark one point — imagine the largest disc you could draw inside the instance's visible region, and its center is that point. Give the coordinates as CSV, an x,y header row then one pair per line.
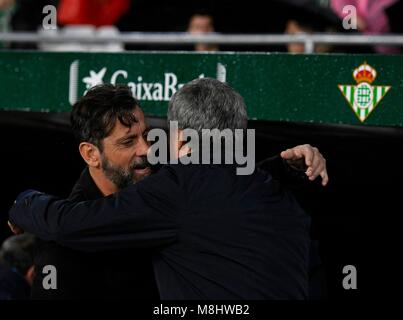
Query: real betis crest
x,y
363,97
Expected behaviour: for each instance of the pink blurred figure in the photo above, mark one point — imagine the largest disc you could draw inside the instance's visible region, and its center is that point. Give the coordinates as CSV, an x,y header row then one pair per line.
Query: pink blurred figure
x,y
371,17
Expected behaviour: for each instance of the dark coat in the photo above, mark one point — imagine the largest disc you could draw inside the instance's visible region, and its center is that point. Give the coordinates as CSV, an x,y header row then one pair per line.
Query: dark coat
x,y
117,274
214,234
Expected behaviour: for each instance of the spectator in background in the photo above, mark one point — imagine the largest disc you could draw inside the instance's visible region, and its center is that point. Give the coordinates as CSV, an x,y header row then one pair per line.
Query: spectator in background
x,y
88,19
371,17
6,4
308,18
16,267
202,23
23,15
91,12
311,19
6,9
297,27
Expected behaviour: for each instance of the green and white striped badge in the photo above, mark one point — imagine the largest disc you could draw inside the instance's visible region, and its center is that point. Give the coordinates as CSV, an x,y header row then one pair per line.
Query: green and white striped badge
x,y
363,98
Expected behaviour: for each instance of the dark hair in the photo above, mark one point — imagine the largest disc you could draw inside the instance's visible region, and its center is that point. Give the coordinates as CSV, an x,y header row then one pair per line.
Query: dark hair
x,y
94,116
18,251
202,13
207,103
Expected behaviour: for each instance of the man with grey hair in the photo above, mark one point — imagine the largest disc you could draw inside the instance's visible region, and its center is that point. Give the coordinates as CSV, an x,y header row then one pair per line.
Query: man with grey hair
x,y
214,234
208,104
215,114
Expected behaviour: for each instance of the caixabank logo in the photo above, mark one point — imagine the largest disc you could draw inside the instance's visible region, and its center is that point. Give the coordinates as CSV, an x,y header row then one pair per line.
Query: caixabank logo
x,y
363,97
143,89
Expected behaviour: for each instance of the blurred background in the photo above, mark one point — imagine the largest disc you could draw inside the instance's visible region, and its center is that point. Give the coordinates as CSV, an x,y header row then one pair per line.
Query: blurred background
x,y
109,17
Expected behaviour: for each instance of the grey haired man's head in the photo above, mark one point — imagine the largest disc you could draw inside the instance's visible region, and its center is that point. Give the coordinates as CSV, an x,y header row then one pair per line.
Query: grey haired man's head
x,y
207,103
211,112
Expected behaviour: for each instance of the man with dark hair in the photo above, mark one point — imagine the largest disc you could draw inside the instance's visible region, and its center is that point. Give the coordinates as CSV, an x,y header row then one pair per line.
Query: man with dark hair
x,y
204,225
110,128
202,23
16,267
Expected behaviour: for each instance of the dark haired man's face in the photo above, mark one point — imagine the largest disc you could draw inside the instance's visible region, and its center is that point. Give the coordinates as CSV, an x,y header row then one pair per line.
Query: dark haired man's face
x,y
124,156
201,24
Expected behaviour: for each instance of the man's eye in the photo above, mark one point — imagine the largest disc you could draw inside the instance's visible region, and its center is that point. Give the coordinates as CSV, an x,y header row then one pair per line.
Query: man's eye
x,y
128,143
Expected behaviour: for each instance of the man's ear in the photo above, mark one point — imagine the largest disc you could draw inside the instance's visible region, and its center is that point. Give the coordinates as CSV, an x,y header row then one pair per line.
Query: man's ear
x,y
180,139
183,146
90,153
30,275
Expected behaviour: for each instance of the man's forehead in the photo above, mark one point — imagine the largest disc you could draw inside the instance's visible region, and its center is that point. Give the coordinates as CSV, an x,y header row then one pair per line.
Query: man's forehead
x,y
121,129
202,19
138,115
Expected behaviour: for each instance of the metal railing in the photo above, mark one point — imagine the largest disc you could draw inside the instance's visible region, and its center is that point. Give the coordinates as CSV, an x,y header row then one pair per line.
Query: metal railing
x,y
145,38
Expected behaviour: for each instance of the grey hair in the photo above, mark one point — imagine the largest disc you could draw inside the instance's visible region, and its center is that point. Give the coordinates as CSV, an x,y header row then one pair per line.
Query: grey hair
x,y
207,103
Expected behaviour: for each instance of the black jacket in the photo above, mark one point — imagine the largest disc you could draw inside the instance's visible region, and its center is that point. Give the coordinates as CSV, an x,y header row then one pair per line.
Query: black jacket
x,y
13,286
215,235
117,274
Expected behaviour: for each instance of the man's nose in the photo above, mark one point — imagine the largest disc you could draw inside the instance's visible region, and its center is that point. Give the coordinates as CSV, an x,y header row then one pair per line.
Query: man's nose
x,y
143,147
